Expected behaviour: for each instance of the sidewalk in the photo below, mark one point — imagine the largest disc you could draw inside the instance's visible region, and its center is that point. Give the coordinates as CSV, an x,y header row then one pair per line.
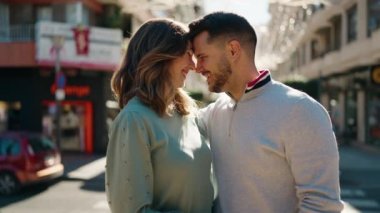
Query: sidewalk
x,y
359,157
359,178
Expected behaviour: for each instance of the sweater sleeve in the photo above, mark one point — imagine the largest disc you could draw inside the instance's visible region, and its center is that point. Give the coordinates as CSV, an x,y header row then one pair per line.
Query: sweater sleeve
x,y
202,119
129,173
311,151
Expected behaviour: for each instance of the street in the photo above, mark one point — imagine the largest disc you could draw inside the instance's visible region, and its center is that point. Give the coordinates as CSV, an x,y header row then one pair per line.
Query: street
x,y
81,189
360,175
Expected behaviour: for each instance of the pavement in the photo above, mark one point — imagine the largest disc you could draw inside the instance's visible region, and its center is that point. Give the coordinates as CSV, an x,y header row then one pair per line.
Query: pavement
x,y
360,178
359,174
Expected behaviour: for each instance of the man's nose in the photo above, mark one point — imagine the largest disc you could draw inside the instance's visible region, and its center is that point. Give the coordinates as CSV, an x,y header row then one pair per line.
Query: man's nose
x,y
198,68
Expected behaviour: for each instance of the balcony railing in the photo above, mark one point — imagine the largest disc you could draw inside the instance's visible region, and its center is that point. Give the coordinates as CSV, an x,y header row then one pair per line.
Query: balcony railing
x,y
16,33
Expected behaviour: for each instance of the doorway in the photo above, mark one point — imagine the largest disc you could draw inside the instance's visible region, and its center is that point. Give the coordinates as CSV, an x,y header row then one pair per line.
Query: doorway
x,y
75,122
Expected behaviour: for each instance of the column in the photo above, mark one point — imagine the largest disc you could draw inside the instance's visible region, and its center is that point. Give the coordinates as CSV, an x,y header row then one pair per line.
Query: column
x,y
361,116
362,19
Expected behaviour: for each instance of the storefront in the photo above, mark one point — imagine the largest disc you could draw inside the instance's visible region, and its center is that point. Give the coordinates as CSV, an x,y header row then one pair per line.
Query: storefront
x,y
76,61
27,102
353,101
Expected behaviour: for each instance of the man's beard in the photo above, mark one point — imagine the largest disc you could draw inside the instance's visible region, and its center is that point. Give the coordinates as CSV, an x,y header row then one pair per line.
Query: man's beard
x,y
221,77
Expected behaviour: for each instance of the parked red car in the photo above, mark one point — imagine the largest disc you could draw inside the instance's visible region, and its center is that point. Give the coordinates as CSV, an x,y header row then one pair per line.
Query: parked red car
x,y
27,158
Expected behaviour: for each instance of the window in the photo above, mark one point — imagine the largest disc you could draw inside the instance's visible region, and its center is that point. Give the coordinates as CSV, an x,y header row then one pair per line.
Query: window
x,y
373,16
38,144
44,13
59,11
314,49
352,23
4,20
324,40
336,22
77,13
9,147
71,13
85,15
21,14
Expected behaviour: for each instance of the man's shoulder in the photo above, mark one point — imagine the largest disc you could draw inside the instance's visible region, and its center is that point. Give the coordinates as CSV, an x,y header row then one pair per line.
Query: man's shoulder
x,y
298,99
290,93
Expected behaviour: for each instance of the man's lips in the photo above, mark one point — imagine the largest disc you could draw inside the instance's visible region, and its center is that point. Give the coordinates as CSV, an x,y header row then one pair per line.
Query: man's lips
x,y
206,74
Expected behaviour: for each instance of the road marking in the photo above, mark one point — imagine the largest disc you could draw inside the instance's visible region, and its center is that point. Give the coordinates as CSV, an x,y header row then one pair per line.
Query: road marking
x,y
362,203
89,170
100,205
352,192
349,209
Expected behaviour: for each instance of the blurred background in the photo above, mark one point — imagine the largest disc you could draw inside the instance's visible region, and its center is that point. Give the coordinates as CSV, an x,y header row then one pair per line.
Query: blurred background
x,y
57,58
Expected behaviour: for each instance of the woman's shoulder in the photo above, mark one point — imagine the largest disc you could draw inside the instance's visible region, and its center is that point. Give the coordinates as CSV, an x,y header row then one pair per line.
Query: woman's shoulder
x,y
137,111
136,107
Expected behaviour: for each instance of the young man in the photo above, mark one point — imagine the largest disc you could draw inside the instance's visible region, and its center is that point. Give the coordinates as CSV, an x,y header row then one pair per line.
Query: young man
x,y
273,146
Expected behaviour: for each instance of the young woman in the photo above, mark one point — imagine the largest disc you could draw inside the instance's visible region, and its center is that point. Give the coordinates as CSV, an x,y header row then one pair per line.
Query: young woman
x,y
157,161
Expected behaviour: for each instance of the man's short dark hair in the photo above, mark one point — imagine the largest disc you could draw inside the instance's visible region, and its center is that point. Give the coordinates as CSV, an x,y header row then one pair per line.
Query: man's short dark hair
x,y
225,25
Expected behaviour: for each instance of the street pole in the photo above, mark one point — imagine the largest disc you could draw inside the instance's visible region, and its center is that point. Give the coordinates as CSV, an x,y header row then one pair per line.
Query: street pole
x,y
59,93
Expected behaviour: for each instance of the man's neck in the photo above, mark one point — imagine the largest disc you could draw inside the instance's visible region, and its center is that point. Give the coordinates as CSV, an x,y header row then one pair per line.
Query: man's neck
x,y
239,83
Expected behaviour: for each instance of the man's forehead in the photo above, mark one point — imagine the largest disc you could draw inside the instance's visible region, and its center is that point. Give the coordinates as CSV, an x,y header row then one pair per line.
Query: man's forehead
x,y
202,37
200,41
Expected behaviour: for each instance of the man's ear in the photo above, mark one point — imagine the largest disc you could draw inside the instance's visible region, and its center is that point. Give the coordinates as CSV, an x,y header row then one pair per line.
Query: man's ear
x,y
233,49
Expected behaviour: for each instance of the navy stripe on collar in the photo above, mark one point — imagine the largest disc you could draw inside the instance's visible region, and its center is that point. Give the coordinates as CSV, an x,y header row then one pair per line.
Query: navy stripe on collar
x,y
263,79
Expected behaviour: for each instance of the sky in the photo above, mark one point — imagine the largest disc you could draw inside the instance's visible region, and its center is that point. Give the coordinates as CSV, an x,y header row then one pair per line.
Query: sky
x,y
255,11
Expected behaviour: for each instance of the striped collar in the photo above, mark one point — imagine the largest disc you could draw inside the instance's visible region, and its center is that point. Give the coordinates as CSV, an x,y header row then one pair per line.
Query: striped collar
x,y
261,80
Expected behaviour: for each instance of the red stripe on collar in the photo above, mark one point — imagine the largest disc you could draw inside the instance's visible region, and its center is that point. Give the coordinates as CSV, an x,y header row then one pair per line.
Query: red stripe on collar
x,y
262,75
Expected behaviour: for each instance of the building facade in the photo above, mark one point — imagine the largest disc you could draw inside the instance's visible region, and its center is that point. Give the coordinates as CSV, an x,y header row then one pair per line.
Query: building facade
x,y
58,52
336,43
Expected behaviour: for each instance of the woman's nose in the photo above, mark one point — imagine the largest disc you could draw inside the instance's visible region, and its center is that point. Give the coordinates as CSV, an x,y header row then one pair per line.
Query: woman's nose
x,y
191,64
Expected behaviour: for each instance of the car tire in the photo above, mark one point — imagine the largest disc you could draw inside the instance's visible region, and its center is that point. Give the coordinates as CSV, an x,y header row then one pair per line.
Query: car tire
x,y
8,183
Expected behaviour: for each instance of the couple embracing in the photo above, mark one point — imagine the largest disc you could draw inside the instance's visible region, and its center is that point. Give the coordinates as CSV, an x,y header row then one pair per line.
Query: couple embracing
x,y
260,147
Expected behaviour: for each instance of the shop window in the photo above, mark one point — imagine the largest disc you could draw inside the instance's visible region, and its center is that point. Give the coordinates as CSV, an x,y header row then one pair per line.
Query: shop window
x,y
352,23
10,116
351,115
373,16
75,124
374,118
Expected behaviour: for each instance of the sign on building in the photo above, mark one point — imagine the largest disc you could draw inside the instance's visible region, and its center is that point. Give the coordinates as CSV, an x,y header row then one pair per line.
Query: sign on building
x,y
95,48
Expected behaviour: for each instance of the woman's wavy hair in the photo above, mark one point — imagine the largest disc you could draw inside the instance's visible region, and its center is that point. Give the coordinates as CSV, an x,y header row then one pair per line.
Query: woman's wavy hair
x,y
145,70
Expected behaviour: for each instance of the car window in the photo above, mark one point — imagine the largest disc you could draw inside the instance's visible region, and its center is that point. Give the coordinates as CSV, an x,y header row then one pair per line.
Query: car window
x,y
9,147
40,144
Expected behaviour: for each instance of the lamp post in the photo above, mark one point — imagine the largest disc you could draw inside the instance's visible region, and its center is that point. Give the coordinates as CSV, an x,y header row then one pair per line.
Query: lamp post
x,y
58,42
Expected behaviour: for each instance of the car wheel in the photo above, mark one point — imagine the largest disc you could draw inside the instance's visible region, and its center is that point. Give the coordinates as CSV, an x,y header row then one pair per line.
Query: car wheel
x,y
8,183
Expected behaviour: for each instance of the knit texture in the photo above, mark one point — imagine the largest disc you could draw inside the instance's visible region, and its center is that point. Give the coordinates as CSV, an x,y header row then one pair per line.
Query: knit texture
x,y
273,151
